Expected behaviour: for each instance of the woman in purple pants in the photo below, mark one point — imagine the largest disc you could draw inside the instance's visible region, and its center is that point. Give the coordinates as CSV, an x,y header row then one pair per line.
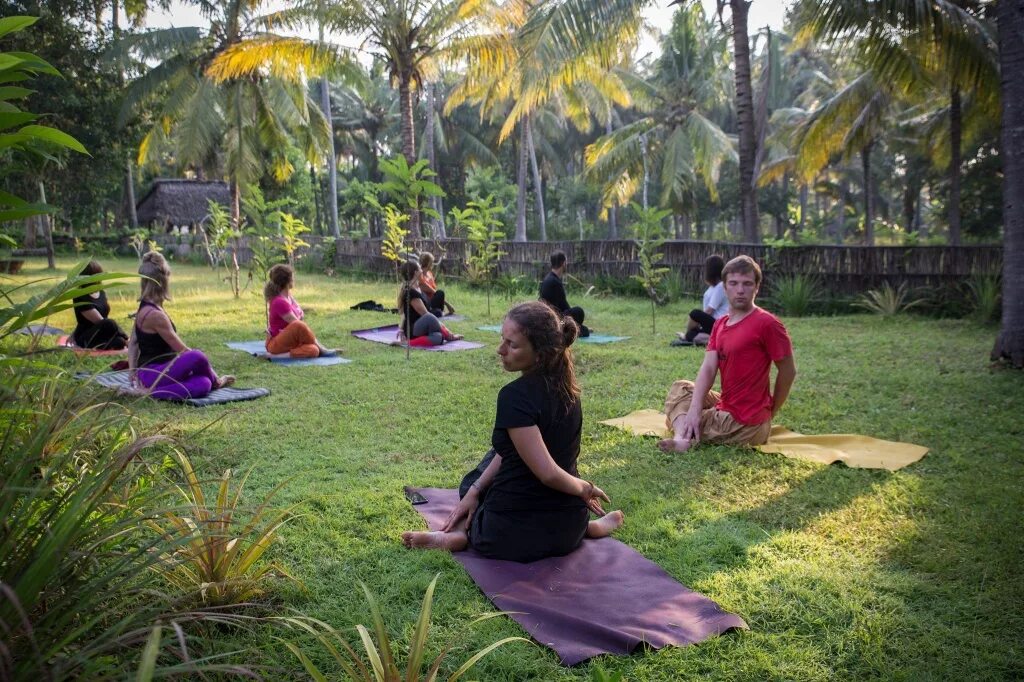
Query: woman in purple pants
x,y
160,362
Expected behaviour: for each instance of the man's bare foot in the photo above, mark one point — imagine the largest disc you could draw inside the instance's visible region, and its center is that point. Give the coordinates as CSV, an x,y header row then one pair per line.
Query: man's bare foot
x,y
224,381
675,444
435,539
605,525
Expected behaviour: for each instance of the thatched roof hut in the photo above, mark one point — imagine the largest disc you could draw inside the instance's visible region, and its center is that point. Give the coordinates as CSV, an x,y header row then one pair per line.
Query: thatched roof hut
x,y
173,202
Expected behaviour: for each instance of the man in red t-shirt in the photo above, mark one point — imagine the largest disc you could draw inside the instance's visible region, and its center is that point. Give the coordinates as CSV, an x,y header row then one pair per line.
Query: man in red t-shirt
x,y
744,344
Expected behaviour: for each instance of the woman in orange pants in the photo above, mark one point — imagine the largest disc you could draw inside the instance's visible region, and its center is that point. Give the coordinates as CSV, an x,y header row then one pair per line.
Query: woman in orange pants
x,y
286,332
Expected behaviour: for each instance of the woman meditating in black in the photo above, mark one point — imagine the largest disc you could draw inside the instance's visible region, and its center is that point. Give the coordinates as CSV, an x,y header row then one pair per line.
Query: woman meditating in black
x,y
94,328
529,503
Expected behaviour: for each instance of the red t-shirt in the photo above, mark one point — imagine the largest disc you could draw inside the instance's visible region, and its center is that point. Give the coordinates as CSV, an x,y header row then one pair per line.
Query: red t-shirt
x,y
746,351
278,308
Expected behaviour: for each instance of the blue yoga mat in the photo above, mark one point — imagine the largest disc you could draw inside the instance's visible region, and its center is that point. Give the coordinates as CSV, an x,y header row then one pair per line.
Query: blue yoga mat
x,y
593,338
259,350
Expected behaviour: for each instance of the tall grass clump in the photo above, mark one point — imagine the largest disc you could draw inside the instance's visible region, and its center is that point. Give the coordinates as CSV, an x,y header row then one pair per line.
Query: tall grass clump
x,y
985,293
796,295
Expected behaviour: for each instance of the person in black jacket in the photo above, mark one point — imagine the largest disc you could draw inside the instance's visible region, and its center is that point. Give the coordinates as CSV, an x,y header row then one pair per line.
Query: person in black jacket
x,y
94,328
552,292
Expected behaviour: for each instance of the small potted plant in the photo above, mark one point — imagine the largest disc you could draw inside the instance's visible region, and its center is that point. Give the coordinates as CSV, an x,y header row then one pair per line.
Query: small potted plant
x,y
8,263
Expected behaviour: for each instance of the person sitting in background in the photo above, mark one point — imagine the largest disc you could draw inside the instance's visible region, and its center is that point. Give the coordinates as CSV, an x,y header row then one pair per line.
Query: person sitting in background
x,y
437,304
160,362
94,328
528,502
552,292
715,304
286,332
420,326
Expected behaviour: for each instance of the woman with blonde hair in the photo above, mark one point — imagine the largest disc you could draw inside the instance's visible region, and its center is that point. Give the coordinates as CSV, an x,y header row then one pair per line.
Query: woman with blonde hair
x,y
160,362
420,326
286,332
526,500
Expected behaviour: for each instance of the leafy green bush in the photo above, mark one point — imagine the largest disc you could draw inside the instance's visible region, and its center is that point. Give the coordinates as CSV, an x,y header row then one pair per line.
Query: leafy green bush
x,y
796,295
986,297
887,301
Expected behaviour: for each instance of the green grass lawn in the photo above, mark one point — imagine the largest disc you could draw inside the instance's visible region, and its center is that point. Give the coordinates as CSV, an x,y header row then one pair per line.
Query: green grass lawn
x,y
840,573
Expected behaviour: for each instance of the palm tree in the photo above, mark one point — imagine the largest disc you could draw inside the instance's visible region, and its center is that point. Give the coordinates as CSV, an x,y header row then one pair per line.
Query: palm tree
x,y
676,133
1009,344
228,95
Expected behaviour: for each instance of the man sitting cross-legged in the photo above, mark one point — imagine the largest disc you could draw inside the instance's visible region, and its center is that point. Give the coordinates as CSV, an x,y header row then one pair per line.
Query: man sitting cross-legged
x,y
744,343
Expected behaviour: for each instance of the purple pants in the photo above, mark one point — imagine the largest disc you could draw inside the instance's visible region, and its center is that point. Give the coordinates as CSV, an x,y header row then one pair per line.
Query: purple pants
x,y
187,376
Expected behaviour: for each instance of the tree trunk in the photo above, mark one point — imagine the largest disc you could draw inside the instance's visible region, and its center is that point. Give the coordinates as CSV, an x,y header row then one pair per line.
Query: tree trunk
x,y
643,157
1009,344
613,211
782,219
911,195
332,160
538,186
803,206
129,184
524,152
840,220
47,222
745,120
408,131
955,121
428,133
869,219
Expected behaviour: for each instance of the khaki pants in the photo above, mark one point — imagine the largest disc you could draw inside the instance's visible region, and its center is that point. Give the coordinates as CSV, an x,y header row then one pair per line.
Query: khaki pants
x,y
297,339
716,426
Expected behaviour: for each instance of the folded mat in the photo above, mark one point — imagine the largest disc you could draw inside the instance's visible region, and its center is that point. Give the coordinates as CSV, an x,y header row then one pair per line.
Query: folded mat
x,y
859,452
603,598
593,338
388,335
66,342
120,382
259,350
40,330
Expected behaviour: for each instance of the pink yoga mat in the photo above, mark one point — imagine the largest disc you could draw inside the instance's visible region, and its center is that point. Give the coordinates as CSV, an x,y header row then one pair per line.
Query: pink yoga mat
x,y
388,335
604,598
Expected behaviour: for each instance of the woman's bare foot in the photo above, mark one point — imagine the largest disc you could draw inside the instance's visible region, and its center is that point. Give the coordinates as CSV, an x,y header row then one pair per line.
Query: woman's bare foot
x,y
606,525
224,381
675,444
452,542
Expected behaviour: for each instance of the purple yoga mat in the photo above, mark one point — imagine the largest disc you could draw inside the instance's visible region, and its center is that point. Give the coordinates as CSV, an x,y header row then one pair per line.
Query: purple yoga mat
x,y
389,334
604,598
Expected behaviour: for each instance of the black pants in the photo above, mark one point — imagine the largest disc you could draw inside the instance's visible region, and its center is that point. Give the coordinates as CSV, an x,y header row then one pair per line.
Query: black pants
x,y
104,335
437,303
576,313
704,324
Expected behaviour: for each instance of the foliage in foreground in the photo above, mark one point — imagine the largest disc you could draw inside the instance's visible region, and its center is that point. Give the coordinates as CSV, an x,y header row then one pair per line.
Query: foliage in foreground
x,y
383,667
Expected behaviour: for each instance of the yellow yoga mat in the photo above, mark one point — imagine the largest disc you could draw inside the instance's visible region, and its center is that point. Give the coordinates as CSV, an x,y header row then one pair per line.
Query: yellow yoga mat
x,y
862,452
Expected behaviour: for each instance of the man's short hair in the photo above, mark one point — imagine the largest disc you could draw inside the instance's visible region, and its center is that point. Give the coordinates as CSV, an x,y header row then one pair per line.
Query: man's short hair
x,y
557,259
743,265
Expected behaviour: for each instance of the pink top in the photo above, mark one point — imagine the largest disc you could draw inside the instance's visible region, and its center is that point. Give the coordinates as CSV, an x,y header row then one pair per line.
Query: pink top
x,y
279,307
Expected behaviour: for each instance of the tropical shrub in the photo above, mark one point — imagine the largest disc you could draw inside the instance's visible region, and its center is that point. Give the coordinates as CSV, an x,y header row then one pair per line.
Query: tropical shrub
x,y
887,301
482,224
649,237
796,295
986,297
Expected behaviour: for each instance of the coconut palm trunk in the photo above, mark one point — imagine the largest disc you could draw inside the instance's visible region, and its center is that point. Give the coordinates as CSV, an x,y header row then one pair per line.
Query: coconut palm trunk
x,y
408,130
745,120
332,162
955,121
538,186
524,151
869,218
1009,344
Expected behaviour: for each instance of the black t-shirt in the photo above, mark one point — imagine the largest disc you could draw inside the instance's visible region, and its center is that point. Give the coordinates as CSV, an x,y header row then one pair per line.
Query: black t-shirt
x,y
411,295
552,292
87,302
528,401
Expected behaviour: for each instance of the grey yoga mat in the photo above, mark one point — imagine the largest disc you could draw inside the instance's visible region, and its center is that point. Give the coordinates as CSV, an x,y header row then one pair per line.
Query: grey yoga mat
x,y
259,350
120,382
603,598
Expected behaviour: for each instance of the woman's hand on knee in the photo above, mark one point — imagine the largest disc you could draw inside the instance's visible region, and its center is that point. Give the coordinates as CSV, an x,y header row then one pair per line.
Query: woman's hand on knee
x,y
463,511
592,497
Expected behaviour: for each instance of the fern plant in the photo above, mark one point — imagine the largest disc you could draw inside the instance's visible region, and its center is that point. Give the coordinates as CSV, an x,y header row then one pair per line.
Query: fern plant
x,y
380,664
